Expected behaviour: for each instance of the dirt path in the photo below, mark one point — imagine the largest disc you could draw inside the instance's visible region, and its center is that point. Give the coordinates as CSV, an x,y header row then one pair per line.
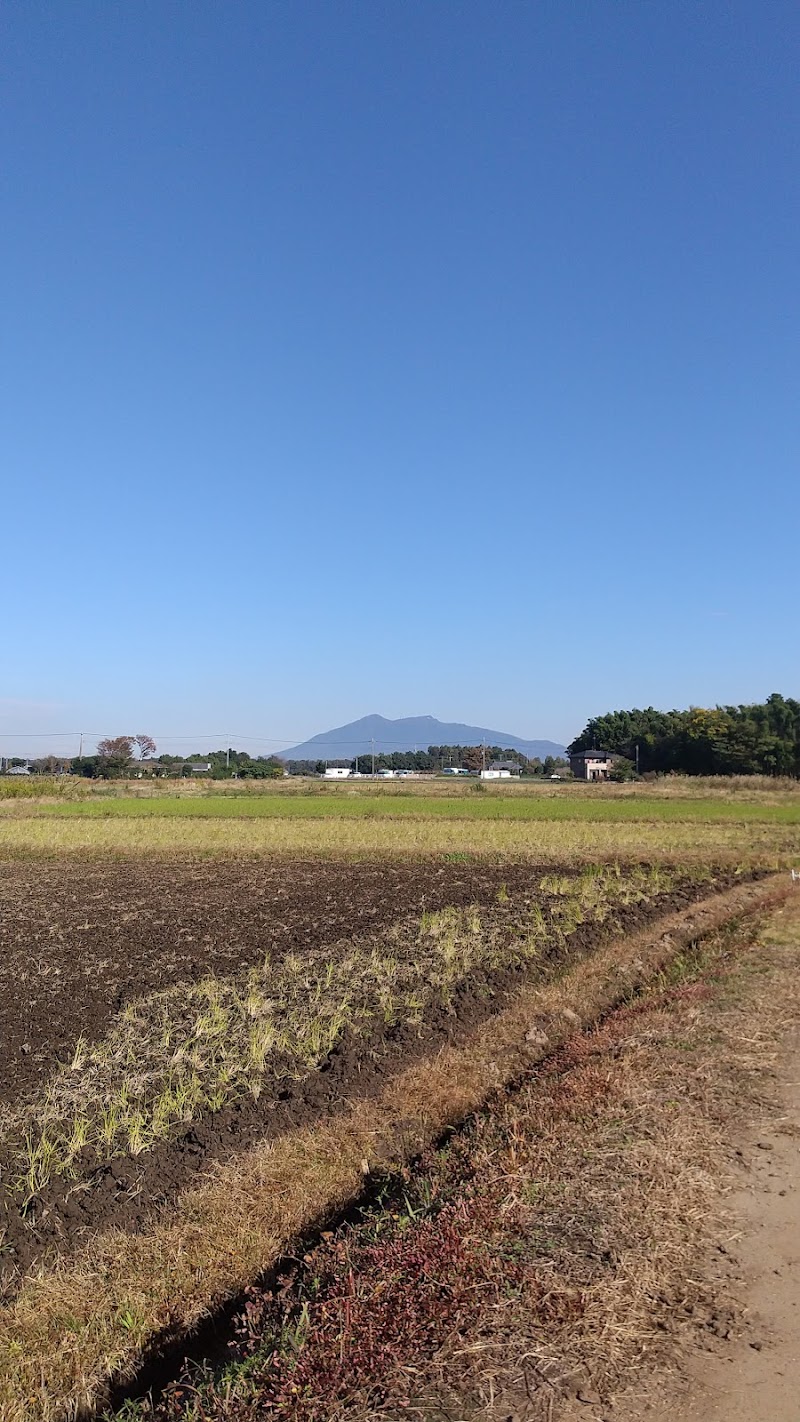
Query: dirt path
x,y
753,1375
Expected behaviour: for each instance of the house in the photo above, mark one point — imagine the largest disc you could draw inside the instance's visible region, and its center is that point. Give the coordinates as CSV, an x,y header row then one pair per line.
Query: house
x,y
149,766
492,774
509,767
336,772
591,765
200,767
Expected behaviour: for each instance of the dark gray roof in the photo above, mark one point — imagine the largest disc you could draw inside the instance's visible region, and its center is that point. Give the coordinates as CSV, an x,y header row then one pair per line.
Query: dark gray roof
x,y
591,755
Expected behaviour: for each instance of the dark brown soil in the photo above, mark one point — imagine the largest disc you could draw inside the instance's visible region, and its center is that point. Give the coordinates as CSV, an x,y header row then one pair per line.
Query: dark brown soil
x,y
218,918
79,941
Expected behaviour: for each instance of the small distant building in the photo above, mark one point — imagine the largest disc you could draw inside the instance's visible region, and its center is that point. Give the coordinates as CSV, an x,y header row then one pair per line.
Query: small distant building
x,y
140,768
199,767
591,765
336,772
18,770
506,767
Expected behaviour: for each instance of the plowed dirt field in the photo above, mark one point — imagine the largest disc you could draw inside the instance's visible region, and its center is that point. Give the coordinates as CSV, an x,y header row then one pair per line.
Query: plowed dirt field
x,y
81,945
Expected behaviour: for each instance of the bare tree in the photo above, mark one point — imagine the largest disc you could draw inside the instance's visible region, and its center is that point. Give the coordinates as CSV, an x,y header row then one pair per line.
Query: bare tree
x,y
116,748
147,746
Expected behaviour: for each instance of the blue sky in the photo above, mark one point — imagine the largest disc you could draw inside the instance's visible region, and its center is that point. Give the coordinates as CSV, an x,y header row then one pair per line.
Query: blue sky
x,y
406,357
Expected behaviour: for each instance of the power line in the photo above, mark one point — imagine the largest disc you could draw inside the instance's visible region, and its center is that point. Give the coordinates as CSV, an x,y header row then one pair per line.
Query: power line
x,y
40,735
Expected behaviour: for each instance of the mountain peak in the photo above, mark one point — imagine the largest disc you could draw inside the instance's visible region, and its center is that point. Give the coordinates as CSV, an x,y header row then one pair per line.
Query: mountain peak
x,y
408,733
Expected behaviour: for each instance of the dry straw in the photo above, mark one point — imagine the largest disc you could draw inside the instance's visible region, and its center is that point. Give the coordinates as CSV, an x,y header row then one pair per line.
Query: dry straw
x,y
772,845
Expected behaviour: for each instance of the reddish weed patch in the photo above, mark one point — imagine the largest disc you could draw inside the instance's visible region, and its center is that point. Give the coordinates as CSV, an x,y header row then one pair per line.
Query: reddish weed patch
x,y
366,1313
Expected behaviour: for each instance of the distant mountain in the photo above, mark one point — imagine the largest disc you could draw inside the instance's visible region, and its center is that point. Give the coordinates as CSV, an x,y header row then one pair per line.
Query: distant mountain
x,y
408,734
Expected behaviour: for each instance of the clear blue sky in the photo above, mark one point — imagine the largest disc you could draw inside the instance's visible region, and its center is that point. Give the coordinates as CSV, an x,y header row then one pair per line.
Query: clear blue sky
x,y
406,357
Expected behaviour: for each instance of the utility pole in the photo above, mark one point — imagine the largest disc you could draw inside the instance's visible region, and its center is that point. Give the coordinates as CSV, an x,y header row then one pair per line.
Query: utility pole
x,y
483,756
80,748
373,757
637,757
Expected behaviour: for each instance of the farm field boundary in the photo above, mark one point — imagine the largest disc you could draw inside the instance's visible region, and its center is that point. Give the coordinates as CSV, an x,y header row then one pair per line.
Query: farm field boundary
x,y
75,1329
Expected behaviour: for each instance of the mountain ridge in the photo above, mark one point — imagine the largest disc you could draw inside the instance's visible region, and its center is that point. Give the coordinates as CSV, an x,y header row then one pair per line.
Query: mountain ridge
x,y
408,733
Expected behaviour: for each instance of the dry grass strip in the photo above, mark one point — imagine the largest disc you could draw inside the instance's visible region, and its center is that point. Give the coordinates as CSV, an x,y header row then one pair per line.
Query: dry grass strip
x,y
772,845
76,1326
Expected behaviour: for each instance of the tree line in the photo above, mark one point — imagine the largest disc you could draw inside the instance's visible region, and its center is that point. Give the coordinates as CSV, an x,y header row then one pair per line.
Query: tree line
x,y
120,757
432,761
762,738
